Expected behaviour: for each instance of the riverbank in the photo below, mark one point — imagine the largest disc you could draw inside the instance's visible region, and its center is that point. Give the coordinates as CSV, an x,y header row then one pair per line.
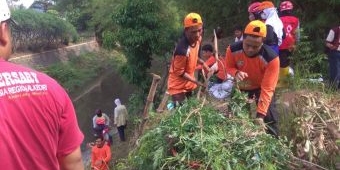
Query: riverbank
x,y
92,90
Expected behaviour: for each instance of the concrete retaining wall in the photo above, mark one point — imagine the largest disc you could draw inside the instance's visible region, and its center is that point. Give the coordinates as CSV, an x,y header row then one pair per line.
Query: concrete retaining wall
x,y
53,56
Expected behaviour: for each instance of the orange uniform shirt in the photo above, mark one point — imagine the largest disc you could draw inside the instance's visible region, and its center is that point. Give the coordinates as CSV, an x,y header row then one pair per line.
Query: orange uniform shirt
x,y
100,157
262,70
184,60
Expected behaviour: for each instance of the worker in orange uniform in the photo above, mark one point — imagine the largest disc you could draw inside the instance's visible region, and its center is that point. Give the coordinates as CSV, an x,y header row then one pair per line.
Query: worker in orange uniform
x,y
101,155
256,68
182,81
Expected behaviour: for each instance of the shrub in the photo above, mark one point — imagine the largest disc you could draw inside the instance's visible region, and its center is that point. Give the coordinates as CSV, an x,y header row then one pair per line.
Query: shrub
x,y
41,31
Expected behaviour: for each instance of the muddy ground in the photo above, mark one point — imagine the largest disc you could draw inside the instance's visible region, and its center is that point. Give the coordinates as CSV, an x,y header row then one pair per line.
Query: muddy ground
x,y
100,93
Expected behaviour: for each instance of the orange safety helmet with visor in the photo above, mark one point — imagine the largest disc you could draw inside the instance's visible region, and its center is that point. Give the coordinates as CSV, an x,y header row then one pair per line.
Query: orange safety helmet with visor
x,y
256,28
192,19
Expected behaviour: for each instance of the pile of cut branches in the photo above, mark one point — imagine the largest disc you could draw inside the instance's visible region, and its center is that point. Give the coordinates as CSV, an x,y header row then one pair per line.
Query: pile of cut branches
x,y
196,136
316,129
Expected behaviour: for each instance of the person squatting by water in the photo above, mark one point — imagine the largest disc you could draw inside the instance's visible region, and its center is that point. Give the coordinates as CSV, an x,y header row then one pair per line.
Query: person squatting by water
x,y
101,125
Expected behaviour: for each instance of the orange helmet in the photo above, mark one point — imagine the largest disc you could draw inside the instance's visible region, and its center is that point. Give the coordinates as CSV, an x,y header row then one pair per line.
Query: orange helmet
x,y
254,7
266,5
192,19
286,5
257,28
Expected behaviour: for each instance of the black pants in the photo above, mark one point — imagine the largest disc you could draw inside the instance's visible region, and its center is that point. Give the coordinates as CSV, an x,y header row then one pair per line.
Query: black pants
x,y
285,58
178,99
121,132
334,68
271,118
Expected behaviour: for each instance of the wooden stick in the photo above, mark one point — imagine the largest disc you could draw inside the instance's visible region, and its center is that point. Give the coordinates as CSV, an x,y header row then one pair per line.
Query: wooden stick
x,y
200,87
216,46
162,105
149,100
307,162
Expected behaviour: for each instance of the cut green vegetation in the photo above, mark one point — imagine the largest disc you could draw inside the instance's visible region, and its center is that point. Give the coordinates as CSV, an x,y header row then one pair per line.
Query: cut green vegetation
x,y
196,136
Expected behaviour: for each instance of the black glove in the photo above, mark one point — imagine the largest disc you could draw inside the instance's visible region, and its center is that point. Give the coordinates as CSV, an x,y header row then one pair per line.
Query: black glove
x,y
260,115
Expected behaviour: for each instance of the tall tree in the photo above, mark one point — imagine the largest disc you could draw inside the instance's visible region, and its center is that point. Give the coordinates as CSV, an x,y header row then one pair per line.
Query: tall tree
x,y
101,20
146,28
76,12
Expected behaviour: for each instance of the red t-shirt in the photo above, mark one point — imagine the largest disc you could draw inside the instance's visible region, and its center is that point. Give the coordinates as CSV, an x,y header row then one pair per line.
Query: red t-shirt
x,y
37,120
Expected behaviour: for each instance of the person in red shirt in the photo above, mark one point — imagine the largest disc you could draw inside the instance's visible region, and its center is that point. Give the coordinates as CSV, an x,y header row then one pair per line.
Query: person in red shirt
x,y
291,26
255,66
100,155
39,128
182,81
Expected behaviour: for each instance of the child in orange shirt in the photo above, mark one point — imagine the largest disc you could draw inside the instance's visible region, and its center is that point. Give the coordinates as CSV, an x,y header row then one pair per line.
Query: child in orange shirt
x,y
208,58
